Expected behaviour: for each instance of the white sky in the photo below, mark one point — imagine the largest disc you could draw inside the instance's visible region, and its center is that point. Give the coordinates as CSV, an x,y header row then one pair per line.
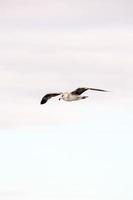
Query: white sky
x,y
66,151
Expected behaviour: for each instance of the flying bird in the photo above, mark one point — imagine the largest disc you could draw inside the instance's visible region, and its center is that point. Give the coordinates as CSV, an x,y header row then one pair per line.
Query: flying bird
x,y
70,96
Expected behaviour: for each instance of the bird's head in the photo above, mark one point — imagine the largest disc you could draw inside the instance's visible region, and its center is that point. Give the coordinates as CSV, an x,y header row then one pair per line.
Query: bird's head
x,y
64,95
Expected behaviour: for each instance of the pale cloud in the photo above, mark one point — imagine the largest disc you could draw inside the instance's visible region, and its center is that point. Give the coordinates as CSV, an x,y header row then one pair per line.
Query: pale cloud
x,y
65,14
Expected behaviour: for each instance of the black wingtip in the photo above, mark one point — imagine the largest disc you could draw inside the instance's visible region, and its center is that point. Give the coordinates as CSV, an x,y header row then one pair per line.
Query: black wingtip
x,y
100,90
43,101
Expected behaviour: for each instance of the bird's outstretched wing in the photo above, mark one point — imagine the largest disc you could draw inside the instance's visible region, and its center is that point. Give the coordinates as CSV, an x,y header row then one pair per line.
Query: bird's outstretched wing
x,y
48,96
79,91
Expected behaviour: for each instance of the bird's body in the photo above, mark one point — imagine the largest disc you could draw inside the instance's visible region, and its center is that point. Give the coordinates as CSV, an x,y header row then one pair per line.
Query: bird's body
x,y
70,96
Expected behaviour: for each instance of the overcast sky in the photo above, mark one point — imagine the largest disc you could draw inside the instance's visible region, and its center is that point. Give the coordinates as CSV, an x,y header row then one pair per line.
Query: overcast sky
x,y
66,151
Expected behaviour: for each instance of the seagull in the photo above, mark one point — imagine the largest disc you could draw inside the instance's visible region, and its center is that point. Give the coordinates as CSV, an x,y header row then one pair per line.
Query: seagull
x,y
70,96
